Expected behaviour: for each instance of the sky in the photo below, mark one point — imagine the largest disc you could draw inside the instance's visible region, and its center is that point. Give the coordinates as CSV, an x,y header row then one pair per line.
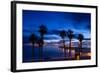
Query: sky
x,y
55,21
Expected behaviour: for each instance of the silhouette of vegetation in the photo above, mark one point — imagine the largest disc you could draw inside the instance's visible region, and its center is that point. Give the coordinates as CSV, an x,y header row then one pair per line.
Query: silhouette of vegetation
x,y
42,31
63,35
33,39
80,38
70,36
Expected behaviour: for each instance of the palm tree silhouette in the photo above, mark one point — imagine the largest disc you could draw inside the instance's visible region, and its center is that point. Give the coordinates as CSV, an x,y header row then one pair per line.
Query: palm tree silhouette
x,y
63,35
33,40
70,36
80,38
42,31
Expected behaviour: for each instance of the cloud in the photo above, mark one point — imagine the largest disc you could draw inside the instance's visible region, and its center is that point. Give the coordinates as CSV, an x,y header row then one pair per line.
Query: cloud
x,y
56,21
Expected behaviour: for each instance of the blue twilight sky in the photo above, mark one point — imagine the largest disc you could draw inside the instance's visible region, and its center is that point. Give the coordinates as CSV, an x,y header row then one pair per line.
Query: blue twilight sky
x,y
55,21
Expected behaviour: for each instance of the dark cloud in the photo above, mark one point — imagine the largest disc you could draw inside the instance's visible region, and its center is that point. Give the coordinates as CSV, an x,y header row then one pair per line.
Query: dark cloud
x,y
55,21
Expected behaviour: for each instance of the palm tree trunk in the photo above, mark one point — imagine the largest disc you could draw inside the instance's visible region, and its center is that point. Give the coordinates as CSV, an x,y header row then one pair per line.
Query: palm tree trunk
x,y
64,48
80,48
41,49
77,56
33,52
69,48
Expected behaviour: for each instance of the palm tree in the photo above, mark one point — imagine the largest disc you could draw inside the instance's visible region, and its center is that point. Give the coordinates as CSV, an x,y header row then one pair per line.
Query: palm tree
x,y
63,35
70,36
42,31
80,38
33,40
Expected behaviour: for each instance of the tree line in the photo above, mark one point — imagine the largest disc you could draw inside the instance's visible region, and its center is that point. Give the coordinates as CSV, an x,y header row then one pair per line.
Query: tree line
x,y
63,34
